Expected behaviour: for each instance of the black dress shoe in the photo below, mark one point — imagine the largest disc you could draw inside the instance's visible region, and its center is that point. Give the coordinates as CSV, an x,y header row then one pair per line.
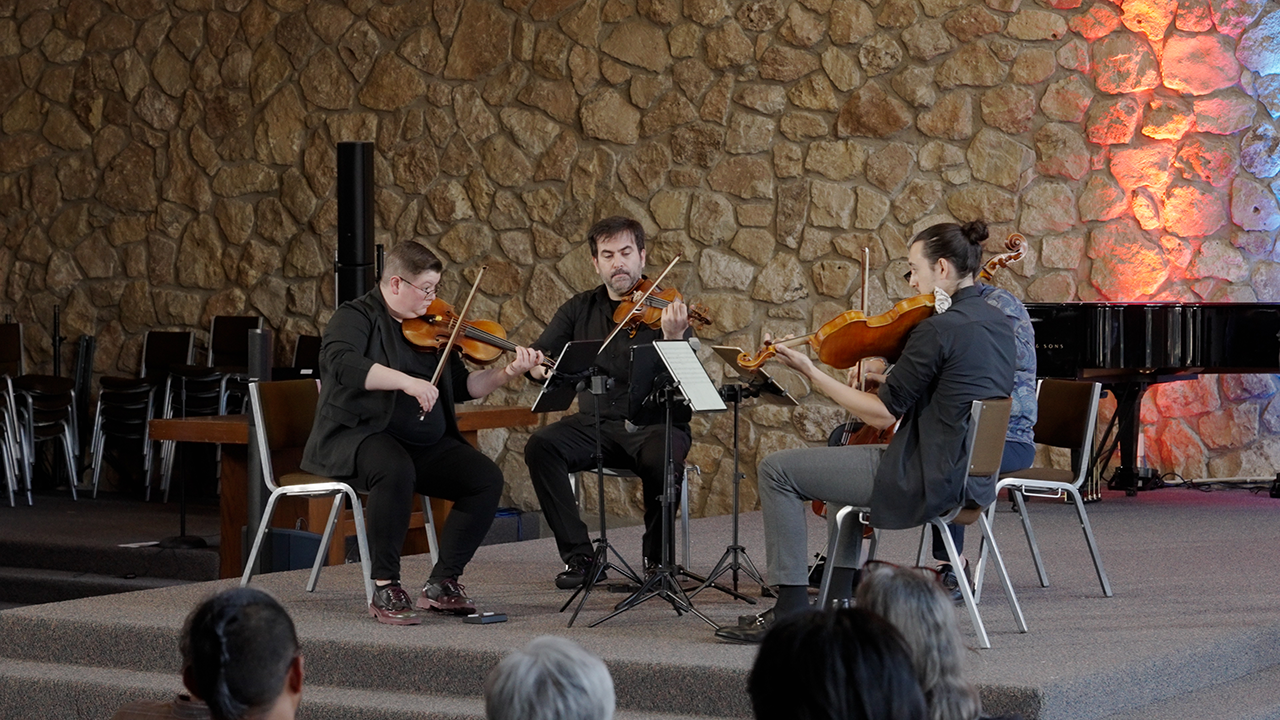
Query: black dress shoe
x,y
748,631
576,572
951,581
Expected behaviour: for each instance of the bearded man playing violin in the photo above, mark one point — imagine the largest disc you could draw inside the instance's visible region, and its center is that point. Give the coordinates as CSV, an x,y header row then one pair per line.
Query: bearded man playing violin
x,y
618,255
385,429
964,352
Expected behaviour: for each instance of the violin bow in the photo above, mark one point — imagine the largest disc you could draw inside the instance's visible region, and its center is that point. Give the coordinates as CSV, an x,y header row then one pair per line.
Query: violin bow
x,y
462,319
640,303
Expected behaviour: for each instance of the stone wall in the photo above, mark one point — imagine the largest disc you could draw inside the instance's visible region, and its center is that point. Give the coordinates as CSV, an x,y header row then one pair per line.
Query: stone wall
x,y
164,162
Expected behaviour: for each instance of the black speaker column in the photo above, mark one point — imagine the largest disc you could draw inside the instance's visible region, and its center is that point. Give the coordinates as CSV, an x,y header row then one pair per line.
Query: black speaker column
x,y
353,268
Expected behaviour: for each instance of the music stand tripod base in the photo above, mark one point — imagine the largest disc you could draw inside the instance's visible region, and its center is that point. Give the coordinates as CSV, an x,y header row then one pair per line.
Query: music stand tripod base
x,y
688,383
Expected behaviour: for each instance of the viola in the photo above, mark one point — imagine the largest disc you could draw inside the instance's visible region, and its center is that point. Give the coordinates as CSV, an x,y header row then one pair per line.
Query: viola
x,y
852,335
651,300
481,341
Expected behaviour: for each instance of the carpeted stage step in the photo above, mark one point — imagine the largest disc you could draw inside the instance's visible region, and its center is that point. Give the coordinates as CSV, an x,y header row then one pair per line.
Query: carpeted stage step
x,y
1191,631
1253,697
77,692
101,640
29,586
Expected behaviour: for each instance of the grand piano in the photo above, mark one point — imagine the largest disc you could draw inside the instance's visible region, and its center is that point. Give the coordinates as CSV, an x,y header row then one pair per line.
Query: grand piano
x,y
1130,346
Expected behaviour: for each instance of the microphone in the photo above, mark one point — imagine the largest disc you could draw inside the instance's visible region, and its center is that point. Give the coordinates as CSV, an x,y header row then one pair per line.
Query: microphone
x,y
695,343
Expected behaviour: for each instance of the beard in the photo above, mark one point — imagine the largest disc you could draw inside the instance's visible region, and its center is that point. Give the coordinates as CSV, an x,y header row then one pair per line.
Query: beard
x,y
621,282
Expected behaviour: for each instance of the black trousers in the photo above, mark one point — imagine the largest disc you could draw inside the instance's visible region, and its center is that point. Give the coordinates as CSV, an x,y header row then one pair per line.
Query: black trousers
x,y
570,446
392,474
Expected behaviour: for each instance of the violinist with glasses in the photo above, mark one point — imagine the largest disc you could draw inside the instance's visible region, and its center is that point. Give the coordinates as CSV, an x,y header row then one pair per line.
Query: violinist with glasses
x,y
383,426
618,256
963,351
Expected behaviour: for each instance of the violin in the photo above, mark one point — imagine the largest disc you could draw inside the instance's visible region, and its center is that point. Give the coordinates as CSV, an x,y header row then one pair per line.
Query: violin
x,y
852,336
654,299
481,341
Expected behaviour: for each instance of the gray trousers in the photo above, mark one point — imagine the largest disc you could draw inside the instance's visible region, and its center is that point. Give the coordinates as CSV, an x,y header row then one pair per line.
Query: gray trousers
x,y
840,475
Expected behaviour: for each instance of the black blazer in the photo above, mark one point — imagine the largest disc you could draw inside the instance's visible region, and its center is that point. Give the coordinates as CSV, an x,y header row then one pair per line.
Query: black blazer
x,y
360,334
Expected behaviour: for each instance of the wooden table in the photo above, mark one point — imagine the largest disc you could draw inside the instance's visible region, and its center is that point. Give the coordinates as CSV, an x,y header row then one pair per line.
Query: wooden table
x,y
232,432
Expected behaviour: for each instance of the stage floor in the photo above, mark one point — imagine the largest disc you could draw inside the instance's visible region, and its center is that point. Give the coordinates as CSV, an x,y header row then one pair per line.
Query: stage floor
x,y
1193,619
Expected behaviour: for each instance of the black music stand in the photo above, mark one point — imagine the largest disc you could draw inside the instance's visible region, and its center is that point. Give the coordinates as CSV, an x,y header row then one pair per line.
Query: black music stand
x,y
679,391
758,383
574,368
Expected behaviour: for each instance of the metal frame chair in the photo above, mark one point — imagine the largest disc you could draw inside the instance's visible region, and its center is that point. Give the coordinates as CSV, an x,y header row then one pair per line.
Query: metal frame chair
x,y
124,408
12,365
1068,414
282,414
47,410
684,499
988,425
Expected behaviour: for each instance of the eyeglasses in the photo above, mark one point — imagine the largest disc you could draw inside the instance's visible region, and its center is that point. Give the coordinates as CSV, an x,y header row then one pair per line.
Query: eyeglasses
x,y
426,292
929,572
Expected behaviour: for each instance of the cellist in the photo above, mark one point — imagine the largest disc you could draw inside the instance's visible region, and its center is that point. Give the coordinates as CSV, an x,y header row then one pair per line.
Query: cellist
x,y
964,352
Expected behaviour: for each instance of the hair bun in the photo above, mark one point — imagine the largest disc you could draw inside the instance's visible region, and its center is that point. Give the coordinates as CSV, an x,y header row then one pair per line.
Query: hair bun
x,y
975,232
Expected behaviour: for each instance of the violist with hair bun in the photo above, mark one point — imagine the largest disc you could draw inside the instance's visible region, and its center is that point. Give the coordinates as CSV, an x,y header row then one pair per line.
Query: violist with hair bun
x,y
965,351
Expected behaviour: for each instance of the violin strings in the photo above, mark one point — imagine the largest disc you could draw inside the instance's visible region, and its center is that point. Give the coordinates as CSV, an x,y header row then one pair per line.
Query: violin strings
x,y
474,332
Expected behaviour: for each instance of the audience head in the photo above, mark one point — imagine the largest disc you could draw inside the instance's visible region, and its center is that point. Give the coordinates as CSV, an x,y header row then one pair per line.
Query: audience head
x,y
240,655
915,603
958,246
846,664
550,679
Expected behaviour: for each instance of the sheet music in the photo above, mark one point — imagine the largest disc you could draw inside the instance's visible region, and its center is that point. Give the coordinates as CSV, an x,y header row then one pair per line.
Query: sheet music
x,y
689,374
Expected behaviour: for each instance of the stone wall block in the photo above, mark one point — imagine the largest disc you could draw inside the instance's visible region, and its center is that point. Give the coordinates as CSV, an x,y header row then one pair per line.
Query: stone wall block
x,y
482,42
781,281
880,54
1231,17
974,64
980,201
832,205
606,115
872,112
851,21
640,43
1114,121
915,85
1260,151
1124,63
1098,21
743,176
950,118
999,159
1190,211
1127,264
1048,207
1198,64
793,211
1061,151
836,159
1009,108
1036,25
720,270
786,64
972,22
1253,207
